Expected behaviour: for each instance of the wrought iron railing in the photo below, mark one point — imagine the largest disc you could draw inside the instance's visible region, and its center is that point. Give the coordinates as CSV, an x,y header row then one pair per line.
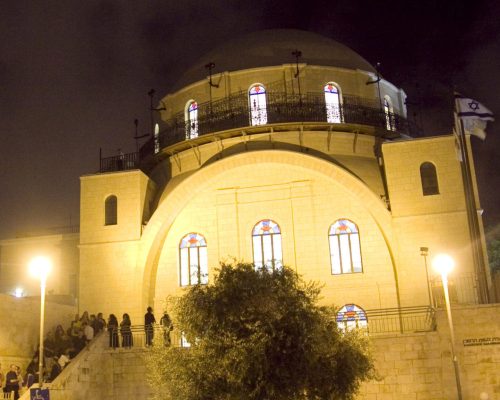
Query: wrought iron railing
x,y
462,290
120,162
233,112
401,320
380,322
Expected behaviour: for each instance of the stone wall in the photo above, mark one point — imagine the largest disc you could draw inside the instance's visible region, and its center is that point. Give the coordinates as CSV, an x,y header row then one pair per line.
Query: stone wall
x,y
411,366
419,366
99,372
20,326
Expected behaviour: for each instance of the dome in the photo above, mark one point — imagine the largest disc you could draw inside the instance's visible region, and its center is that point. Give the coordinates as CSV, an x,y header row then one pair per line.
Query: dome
x,y
274,47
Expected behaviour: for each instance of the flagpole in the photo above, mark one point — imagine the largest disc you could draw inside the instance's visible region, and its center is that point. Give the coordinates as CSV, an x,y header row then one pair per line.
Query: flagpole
x,y
472,218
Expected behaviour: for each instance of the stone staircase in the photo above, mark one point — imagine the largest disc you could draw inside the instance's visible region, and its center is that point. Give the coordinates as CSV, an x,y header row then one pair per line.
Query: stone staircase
x,y
100,372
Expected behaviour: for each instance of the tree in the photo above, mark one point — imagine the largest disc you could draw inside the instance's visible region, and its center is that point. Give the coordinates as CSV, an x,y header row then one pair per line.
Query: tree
x,y
494,254
258,335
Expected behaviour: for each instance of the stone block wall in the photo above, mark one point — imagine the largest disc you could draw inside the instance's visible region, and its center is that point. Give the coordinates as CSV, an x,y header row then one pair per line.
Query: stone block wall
x,y
419,366
411,366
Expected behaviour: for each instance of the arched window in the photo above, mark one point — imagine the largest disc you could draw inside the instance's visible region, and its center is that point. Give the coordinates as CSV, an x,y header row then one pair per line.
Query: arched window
x,y
191,119
157,138
332,102
351,317
267,251
429,179
390,123
345,250
258,104
193,260
110,210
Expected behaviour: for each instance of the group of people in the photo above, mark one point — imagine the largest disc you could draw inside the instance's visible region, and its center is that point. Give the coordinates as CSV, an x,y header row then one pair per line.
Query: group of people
x,y
125,329
60,345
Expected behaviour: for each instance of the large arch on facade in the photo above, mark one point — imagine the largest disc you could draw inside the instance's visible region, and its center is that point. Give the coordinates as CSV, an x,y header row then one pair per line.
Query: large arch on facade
x,y
177,197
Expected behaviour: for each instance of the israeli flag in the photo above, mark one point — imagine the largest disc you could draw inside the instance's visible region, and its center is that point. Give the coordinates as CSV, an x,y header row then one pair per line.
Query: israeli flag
x,y
472,109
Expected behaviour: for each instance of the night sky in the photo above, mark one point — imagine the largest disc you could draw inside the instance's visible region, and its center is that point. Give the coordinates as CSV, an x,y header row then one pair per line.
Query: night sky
x,y
75,74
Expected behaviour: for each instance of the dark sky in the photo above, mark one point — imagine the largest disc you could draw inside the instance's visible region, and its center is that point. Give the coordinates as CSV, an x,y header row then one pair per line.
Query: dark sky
x,y
75,74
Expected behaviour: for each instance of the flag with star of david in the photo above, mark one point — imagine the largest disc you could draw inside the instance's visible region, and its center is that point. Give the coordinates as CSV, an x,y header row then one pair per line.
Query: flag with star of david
x,y
469,108
473,115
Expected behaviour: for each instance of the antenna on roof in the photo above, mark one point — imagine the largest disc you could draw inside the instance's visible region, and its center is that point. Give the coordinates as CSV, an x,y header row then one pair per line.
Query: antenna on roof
x,y
377,81
210,66
297,54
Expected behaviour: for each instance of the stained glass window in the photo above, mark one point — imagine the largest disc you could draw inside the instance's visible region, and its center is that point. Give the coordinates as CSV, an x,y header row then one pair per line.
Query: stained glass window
x,y
111,210
429,179
332,102
191,120
345,249
351,317
389,114
267,250
258,105
193,260
157,138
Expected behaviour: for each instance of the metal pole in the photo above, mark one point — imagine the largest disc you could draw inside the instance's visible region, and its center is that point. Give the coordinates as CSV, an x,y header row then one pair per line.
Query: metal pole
x,y
444,277
424,251
42,314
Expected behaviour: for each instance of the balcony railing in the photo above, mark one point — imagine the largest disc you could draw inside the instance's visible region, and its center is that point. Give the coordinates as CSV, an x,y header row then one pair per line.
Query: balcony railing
x,y
120,162
380,322
401,320
233,112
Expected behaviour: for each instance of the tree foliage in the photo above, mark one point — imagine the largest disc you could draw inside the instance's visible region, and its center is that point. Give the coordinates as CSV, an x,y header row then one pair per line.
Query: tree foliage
x,y
258,335
494,255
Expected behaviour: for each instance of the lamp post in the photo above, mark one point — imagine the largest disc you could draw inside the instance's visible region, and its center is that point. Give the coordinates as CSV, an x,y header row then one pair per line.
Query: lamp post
x,y
443,264
424,252
40,267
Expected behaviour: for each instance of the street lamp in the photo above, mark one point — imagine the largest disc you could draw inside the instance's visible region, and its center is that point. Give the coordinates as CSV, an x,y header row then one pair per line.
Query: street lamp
x,y
40,268
424,252
444,264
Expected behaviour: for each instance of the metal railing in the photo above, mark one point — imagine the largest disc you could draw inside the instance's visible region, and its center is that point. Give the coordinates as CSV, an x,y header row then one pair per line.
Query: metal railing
x,y
380,322
139,336
401,320
234,112
121,162
462,290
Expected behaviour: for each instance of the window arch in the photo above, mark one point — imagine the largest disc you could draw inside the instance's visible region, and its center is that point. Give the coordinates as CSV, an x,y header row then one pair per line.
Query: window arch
x,y
258,104
345,249
332,103
111,210
157,138
351,317
193,260
191,118
390,123
428,176
267,250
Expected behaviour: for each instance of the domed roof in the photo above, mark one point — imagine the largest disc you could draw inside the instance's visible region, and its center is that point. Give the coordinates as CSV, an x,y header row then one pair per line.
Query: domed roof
x,y
274,47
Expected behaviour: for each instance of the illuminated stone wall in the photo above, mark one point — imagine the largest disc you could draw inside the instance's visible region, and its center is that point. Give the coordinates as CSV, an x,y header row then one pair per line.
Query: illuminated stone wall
x,y
410,366
419,366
